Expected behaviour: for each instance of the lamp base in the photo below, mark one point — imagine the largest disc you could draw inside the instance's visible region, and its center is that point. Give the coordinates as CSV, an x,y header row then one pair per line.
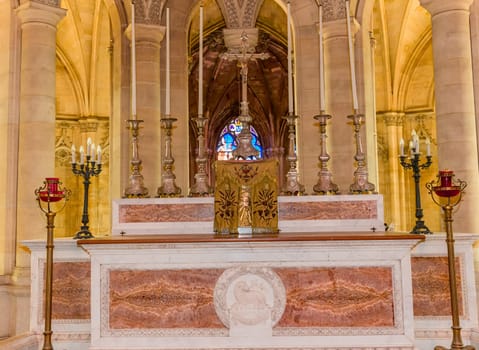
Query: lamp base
x,y
465,347
420,228
83,234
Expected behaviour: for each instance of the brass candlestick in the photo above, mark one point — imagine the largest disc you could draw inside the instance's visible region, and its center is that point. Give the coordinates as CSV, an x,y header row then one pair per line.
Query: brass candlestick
x,y
292,186
325,184
50,192
452,191
201,187
361,184
136,188
168,187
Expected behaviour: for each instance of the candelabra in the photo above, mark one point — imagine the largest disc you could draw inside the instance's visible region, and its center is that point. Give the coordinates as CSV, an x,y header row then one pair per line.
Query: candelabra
x,y
92,167
452,191
168,187
361,183
136,188
292,186
416,166
200,187
50,192
325,184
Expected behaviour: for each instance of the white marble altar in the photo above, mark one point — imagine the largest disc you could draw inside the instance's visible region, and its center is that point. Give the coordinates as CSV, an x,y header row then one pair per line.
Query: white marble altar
x,y
195,215
180,292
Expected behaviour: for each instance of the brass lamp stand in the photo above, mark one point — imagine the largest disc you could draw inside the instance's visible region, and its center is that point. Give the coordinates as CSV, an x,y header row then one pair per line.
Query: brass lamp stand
x,y
50,192
452,191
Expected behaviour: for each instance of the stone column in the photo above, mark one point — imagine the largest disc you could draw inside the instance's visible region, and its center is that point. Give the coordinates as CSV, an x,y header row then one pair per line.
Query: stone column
x,y
455,114
339,103
36,136
36,149
396,189
149,95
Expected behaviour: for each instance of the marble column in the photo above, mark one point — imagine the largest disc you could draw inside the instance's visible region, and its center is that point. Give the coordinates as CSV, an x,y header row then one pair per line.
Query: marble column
x,y
339,103
36,149
455,113
149,97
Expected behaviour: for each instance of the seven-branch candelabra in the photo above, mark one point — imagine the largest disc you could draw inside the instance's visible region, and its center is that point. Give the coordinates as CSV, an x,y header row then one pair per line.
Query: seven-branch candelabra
x,y
90,165
413,161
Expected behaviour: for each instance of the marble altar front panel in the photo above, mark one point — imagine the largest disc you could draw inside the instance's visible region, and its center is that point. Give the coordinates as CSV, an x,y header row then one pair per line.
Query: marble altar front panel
x,y
296,214
253,295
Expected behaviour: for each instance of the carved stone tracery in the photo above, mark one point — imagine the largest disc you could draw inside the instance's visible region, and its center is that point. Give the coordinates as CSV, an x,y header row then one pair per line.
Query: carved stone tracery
x,y
149,11
240,13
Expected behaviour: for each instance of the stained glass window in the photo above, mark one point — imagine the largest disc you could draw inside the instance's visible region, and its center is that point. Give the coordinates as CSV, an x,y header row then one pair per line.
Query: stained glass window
x,y
227,142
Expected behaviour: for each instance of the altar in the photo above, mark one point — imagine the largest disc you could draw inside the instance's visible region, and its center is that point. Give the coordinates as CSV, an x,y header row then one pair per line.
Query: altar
x,y
336,290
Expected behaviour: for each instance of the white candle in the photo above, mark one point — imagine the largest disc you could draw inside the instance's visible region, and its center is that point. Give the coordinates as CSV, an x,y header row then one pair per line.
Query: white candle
x,y
351,59
321,62
290,65
98,154
401,147
428,147
88,146
73,154
92,154
200,65
167,97
411,147
82,155
133,62
415,141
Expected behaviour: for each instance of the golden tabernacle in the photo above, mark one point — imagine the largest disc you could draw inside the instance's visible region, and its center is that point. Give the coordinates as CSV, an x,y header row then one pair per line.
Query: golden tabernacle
x,y
246,197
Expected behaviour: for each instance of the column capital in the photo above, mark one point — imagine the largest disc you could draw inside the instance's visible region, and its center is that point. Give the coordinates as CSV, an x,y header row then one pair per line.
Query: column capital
x,y
32,11
392,118
147,33
435,7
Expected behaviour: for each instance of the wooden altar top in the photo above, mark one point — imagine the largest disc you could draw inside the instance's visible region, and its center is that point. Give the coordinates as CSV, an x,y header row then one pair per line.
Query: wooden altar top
x,y
282,237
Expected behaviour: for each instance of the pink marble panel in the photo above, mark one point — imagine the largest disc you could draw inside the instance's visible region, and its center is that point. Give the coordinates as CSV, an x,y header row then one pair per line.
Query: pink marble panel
x,y
328,210
430,284
338,297
287,211
71,290
166,213
153,299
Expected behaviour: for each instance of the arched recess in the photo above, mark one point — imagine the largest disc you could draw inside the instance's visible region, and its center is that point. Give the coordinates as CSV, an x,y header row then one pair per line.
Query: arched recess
x,y
90,62
403,98
267,90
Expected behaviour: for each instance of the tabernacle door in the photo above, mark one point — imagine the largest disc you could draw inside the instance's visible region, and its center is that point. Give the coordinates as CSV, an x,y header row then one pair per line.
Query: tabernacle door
x,y
246,197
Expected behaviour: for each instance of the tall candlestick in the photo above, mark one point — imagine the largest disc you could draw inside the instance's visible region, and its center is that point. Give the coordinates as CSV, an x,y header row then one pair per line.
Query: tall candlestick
x,y
200,65
321,61
351,59
133,62
167,95
290,65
